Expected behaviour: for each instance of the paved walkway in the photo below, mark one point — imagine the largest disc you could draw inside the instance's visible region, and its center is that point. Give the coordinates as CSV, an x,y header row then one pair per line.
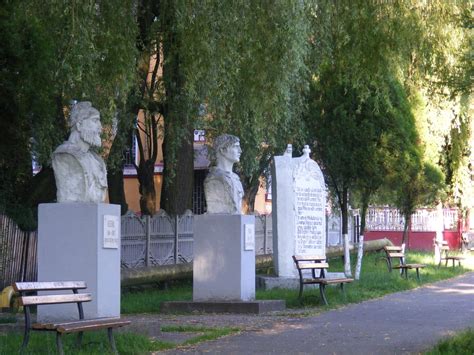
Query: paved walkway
x,y
401,323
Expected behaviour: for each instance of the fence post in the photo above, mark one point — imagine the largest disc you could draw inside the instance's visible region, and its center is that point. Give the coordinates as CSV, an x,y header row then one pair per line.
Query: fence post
x,y
176,234
148,240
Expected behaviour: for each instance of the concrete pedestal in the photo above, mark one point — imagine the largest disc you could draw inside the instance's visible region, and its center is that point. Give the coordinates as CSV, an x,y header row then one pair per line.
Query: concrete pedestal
x,y
74,245
224,258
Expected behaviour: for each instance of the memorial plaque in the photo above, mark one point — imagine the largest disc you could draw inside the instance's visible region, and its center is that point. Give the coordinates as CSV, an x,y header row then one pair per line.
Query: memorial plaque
x,y
111,232
249,237
310,201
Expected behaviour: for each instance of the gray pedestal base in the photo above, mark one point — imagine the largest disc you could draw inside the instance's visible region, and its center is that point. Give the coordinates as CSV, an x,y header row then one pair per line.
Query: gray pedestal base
x,y
224,262
251,307
71,248
264,282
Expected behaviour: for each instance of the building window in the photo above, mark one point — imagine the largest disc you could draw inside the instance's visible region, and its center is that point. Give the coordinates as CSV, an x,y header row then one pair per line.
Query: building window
x,y
130,154
199,201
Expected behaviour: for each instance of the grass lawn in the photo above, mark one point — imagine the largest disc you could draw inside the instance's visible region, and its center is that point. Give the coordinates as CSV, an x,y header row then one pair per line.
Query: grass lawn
x,y
375,282
460,344
93,343
97,342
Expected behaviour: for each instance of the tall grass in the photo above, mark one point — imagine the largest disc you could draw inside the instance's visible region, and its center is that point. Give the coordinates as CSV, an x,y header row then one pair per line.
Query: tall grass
x,y
460,344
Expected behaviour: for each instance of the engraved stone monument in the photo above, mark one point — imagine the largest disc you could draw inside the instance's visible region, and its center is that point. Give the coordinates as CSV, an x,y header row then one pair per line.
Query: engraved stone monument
x,y
79,237
298,208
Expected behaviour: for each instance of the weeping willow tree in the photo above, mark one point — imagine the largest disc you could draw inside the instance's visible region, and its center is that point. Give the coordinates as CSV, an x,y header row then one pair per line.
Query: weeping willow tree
x,y
223,66
54,52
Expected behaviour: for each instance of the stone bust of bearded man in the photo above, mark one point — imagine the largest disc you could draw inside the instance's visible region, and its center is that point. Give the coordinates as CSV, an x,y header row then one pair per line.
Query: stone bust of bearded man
x,y
79,171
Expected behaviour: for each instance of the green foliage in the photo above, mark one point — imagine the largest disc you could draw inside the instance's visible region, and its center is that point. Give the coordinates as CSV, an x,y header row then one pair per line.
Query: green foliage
x,y
459,344
228,67
84,51
56,52
365,48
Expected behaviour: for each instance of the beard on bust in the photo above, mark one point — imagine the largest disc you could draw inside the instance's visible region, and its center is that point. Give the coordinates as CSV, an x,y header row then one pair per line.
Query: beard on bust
x,y
91,137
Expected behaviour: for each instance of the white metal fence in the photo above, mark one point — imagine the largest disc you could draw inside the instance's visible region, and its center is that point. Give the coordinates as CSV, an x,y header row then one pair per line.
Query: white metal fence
x,y
162,240
423,220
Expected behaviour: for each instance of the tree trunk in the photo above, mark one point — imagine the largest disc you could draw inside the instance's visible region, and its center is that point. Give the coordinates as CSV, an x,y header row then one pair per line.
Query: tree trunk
x,y
116,189
345,222
360,255
179,113
405,231
250,193
42,188
145,175
178,173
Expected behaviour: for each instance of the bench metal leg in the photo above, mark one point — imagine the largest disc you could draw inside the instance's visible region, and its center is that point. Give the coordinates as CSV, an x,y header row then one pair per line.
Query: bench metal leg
x,y
301,291
418,274
112,340
59,344
26,339
323,294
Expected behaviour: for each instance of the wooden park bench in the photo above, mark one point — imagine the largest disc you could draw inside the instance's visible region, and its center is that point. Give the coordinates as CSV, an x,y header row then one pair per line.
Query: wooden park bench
x,y
29,298
317,266
444,251
396,253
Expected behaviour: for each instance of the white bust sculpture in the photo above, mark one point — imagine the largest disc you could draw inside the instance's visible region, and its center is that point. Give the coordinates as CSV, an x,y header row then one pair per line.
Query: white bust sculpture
x,y
222,187
79,171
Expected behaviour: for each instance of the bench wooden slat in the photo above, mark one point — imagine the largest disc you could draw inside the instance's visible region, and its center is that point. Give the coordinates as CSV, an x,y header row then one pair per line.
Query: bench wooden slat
x,y
315,266
308,257
91,325
55,299
392,248
52,326
336,281
327,281
395,255
48,286
409,266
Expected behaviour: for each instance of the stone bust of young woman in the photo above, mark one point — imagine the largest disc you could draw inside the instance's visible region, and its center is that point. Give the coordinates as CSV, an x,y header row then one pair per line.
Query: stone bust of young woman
x,y
222,187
